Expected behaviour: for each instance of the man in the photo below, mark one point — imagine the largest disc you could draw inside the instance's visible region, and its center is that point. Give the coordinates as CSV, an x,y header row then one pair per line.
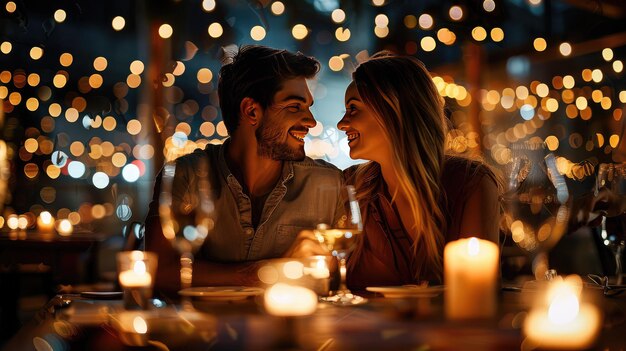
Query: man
x,y
262,186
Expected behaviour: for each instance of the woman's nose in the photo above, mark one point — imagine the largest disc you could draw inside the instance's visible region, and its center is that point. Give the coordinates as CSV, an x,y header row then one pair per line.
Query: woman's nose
x,y
343,123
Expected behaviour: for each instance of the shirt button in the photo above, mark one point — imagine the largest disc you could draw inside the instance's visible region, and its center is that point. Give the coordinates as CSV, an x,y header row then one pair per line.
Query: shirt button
x,y
249,231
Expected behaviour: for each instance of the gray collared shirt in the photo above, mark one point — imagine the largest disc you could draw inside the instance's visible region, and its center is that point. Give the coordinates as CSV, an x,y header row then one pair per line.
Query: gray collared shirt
x,y
295,204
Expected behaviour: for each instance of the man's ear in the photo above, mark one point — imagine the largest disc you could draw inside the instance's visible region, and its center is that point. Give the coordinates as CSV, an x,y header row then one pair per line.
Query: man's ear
x,y
250,111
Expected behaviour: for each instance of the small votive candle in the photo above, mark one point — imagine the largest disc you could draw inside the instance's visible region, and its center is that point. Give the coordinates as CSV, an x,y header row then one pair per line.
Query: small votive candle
x,y
136,271
565,323
45,222
318,268
289,301
470,276
64,227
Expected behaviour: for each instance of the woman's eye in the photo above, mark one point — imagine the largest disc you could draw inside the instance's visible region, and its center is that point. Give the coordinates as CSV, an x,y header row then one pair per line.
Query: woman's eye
x,y
351,109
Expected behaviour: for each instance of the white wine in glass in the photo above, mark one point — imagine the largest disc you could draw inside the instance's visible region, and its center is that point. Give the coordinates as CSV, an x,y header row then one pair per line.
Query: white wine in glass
x,y
340,239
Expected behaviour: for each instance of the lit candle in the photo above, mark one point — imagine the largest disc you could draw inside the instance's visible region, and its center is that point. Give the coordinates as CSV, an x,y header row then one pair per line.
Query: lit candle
x,y
470,275
136,277
64,227
288,301
565,323
45,222
319,269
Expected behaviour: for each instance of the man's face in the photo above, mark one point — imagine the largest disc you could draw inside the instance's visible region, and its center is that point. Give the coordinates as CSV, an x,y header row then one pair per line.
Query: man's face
x,y
281,132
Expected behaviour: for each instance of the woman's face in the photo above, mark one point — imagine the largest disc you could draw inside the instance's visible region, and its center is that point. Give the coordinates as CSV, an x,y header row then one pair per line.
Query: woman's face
x,y
365,138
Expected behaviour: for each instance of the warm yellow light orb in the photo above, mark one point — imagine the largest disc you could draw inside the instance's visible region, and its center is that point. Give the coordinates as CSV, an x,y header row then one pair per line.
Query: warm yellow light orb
x,y
215,30
60,15
118,23
299,31
257,33
165,31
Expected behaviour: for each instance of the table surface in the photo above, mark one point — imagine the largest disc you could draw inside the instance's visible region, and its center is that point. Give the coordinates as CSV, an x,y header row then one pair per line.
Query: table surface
x,y
382,323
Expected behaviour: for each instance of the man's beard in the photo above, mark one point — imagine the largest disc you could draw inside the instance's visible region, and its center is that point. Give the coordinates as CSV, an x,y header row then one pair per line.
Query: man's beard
x,y
271,145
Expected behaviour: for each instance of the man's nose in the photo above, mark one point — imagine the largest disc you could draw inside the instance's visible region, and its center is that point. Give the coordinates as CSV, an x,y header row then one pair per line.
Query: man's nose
x,y
309,121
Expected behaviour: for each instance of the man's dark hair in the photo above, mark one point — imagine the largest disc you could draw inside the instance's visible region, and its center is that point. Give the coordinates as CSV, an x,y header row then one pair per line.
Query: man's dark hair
x,y
258,72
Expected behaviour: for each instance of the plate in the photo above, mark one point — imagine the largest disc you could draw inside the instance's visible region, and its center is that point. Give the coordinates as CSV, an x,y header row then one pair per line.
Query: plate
x,y
228,293
407,290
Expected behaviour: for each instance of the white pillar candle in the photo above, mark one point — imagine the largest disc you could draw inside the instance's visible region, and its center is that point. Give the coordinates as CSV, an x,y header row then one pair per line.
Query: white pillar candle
x,y
565,323
287,301
136,277
45,222
471,276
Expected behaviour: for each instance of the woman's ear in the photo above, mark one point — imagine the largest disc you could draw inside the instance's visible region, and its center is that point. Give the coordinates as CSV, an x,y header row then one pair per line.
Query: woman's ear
x,y
250,111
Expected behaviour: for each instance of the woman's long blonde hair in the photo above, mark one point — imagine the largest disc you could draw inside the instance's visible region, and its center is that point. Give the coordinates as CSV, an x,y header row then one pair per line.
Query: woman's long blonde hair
x,y
410,113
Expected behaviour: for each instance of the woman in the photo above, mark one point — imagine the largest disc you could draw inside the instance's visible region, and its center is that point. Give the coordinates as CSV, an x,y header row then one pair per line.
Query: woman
x,y
414,197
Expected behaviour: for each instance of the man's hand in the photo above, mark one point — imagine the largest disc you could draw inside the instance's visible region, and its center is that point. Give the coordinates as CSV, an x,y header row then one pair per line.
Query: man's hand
x,y
589,210
305,245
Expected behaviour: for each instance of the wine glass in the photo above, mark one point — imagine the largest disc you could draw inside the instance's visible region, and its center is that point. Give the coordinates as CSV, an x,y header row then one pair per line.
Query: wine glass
x,y
186,210
611,177
536,203
339,233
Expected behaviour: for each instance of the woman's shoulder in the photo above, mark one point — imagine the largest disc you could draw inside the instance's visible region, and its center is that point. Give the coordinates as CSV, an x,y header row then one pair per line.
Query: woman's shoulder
x,y
463,172
458,165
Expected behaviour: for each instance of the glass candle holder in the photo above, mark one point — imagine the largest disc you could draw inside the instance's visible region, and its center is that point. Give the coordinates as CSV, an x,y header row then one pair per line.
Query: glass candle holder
x,y
136,274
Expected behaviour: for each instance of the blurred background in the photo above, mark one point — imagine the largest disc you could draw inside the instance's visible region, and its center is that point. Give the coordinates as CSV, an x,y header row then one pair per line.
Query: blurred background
x,y
96,95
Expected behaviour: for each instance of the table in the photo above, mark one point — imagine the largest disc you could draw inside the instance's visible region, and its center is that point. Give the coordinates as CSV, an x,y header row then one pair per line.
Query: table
x,y
73,323
55,259
60,253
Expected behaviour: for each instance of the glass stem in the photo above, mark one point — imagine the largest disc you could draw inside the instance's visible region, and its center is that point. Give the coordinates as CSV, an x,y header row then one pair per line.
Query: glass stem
x,y
186,270
343,289
618,263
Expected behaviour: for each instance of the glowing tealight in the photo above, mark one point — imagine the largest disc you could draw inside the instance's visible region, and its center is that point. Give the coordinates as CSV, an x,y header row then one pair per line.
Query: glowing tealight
x,y
65,227
286,300
139,325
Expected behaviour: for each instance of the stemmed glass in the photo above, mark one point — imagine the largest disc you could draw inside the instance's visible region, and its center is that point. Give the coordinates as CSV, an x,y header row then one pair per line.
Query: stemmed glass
x,y
537,206
339,232
186,211
611,177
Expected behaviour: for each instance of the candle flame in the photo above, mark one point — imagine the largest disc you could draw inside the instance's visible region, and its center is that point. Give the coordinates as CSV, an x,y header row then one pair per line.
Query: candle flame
x,y
473,247
65,227
139,267
46,217
564,307
136,255
140,325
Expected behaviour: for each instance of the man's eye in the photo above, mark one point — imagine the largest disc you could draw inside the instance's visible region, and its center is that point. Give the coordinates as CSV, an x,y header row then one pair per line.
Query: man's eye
x,y
294,108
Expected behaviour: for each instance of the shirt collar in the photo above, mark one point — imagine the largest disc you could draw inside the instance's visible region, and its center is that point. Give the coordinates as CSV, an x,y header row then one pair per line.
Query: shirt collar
x,y
286,175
